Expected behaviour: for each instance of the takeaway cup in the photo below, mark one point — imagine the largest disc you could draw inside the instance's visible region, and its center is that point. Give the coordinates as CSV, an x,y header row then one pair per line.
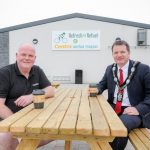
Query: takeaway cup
x,y
93,90
38,98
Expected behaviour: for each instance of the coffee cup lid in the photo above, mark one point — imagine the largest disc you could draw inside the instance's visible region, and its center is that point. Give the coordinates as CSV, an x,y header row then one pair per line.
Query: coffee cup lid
x,y
93,85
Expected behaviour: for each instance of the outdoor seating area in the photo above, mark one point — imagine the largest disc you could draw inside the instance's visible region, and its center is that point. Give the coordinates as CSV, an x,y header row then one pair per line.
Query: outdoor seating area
x,y
71,115
75,75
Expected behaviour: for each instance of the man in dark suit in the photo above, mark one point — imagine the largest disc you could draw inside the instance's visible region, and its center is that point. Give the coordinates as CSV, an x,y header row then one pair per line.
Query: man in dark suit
x,y
128,84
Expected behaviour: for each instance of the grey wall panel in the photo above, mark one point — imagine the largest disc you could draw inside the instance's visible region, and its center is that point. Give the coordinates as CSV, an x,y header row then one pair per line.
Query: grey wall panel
x,y
4,49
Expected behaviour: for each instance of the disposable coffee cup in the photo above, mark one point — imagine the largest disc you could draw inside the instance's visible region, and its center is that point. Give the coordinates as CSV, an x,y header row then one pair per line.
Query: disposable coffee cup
x,y
93,90
38,98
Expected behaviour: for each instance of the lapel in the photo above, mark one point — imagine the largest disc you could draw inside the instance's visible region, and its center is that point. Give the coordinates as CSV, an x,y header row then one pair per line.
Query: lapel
x,y
113,83
130,66
129,71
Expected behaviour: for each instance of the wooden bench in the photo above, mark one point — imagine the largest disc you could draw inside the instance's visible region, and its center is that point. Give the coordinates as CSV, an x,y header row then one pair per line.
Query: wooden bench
x,y
140,138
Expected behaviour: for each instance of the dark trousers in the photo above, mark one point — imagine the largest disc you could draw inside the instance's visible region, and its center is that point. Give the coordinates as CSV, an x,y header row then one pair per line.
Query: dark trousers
x,y
130,122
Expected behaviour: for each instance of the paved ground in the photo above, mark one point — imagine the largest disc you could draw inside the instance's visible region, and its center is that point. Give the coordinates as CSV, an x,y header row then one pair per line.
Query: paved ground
x,y
76,145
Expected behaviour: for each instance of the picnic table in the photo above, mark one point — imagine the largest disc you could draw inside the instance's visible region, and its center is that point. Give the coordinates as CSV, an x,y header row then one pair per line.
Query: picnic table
x,y
70,115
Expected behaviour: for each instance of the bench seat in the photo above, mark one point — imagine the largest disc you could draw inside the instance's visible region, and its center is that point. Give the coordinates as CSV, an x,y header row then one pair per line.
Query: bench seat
x,y
140,138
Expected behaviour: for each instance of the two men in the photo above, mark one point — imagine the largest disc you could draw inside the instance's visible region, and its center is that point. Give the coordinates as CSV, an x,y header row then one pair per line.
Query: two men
x,y
17,82
128,84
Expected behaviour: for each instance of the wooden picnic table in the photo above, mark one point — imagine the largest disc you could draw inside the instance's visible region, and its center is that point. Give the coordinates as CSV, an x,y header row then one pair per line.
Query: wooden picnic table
x,y
70,115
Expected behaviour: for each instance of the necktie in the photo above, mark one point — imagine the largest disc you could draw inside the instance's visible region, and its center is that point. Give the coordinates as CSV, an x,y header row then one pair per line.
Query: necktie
x,y
119,103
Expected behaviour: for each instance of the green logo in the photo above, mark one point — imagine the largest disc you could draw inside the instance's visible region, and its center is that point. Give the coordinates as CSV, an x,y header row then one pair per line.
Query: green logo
x,y
75,41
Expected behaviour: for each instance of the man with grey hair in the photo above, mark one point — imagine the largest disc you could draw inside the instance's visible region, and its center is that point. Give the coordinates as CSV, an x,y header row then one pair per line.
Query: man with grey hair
x,y
17,82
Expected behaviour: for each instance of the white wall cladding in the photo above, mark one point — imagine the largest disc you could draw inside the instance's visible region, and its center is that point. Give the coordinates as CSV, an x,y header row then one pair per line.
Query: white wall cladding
x,y
64,63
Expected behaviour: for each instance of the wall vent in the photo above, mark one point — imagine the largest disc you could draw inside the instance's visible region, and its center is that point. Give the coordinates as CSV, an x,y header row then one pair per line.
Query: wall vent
x,y
141,37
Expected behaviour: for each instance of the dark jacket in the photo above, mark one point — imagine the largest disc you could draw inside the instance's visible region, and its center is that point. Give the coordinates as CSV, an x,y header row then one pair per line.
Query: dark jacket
x,y
138,89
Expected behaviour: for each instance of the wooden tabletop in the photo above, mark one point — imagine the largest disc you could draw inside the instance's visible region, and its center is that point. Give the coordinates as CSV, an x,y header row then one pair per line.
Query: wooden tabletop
x,y
70,115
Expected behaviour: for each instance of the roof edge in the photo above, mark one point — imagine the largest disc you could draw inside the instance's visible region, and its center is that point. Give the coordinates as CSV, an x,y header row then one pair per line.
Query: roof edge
x,y
75,15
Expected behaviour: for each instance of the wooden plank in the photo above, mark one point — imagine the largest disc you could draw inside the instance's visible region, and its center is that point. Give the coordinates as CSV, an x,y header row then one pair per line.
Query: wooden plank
x,y
142,137
85,91
78,93
67,145
19,125
5,124
94,146
146,132
104,145
28,144
68,137
35,126
100,125
22,122
71,92
115,124
136,142
59,91
84,123
53,123
69,122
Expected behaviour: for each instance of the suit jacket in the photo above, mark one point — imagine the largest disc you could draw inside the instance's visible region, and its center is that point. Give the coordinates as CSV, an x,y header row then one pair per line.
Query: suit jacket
x,y
138,89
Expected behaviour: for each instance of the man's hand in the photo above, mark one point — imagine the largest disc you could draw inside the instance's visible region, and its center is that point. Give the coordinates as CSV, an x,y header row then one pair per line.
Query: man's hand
x,y
24,100
131,111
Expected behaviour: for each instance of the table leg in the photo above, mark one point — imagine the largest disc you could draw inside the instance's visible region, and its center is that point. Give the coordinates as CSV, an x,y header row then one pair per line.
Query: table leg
x,y
94,146
104,145
28,144
67,145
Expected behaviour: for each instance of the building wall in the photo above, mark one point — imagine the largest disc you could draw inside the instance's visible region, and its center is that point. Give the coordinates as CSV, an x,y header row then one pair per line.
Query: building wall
x,y
63,63
4,49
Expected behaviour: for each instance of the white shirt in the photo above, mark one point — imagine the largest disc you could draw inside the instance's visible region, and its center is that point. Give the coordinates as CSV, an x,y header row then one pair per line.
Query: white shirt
x,y
125,101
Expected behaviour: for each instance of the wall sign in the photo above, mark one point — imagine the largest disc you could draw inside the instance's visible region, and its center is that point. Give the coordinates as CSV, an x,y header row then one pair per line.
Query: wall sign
x,y
76,40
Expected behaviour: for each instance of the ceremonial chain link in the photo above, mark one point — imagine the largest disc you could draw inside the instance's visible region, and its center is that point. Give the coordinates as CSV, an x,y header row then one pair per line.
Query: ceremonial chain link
x,y
128,79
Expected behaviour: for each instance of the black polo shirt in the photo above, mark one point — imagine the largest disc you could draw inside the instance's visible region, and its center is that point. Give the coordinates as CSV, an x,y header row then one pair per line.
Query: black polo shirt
x,y
13,84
